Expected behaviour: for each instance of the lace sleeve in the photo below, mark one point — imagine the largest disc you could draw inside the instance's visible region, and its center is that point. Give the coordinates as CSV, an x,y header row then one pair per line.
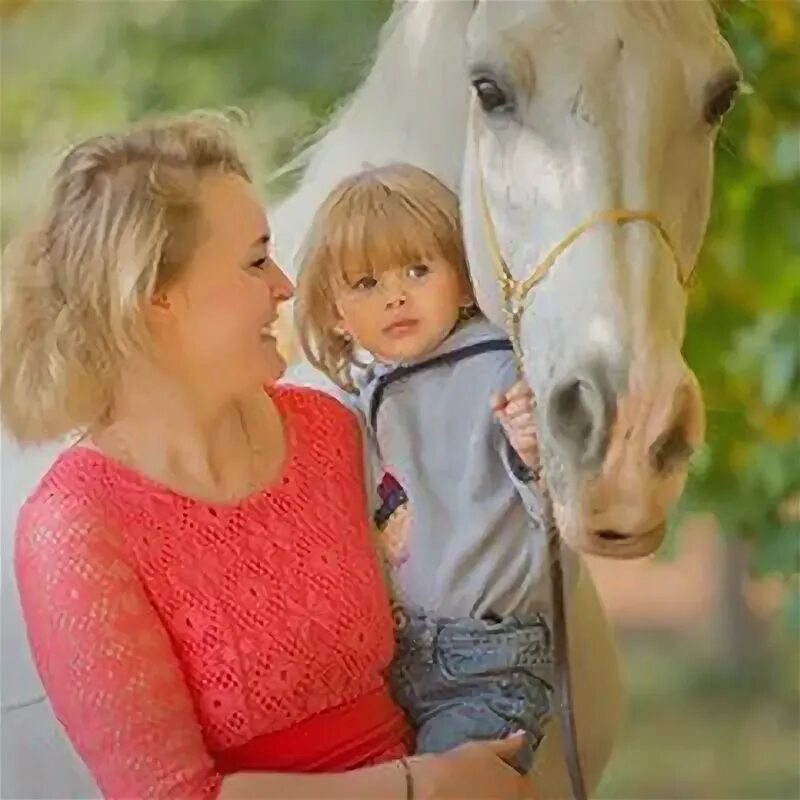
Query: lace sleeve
x,y
104,657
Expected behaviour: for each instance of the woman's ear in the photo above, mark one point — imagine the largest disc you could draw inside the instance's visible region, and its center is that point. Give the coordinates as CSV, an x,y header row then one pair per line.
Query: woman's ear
x,y
158,311
160,300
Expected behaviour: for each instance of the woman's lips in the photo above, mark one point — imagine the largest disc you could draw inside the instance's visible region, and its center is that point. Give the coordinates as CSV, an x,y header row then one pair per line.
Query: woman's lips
x,y
268,331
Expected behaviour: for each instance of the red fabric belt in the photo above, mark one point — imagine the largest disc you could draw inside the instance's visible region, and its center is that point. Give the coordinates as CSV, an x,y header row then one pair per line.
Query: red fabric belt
x,y
368,730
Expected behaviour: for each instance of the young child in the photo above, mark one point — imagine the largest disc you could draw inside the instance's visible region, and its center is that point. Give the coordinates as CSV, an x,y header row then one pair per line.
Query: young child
x,y
385,309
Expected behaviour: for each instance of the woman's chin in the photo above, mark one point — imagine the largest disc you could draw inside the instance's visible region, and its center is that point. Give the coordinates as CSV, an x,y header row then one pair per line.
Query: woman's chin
x,y
274,369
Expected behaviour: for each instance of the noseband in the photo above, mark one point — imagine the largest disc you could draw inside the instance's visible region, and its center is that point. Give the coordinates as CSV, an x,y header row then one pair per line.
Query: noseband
x,y
515,291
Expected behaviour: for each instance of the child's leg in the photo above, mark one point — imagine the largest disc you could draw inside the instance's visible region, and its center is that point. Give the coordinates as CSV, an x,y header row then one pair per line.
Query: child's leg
x,y
462,680
473,721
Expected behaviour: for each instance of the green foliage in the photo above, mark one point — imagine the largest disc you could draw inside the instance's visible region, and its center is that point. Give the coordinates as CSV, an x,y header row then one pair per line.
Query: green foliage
x,y
688,734
744,327
70,69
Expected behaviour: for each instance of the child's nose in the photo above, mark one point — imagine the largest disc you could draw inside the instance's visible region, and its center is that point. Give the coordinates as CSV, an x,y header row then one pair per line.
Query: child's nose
x,y
396,300
395,292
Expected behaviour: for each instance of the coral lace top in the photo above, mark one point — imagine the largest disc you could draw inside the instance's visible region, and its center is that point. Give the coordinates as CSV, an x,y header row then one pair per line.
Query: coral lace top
x,y
179,640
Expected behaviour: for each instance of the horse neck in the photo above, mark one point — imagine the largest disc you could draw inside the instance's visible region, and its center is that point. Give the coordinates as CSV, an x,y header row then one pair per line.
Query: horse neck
x,y
412,107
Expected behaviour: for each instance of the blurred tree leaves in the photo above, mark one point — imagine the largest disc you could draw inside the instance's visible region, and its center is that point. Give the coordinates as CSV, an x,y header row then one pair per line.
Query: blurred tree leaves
x,y
744,328
72,68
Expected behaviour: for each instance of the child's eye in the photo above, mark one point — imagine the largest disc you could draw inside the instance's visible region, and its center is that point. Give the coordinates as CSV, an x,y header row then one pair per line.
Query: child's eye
x,y
365,283
419,270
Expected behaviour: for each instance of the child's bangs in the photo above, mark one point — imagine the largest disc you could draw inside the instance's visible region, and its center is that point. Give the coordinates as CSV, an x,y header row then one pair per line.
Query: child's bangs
x,y
382,234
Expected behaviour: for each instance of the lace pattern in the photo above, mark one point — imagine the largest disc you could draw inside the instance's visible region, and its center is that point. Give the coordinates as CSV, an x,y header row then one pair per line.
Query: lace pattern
x,y
166,629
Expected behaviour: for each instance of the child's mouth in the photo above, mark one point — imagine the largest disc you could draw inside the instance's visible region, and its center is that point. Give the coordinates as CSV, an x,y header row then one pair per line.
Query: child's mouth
x,y
400,328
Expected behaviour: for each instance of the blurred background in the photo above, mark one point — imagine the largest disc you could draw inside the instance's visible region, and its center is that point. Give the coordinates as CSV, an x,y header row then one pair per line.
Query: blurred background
x,y
710,627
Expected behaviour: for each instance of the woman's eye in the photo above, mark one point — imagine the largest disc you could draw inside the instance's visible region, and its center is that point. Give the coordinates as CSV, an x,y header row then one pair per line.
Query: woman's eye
x,y
259,263
367,282
419,271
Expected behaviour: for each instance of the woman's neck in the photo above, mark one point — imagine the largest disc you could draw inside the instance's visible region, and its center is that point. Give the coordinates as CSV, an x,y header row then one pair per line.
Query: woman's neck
x,y
193,439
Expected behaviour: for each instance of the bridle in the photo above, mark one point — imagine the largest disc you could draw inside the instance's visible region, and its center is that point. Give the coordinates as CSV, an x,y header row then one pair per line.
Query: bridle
x,y
515,293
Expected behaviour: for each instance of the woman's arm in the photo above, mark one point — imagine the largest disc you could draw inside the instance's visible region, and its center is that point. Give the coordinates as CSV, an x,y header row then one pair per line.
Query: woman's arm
x,y
382,782
476,769
104,657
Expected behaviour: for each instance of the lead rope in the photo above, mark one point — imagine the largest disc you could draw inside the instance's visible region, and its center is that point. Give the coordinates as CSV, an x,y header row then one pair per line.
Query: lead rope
x,y
566,715
515,293
569,732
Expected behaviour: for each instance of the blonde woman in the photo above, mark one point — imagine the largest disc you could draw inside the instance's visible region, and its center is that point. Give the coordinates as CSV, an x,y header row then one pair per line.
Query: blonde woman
x,y
196,572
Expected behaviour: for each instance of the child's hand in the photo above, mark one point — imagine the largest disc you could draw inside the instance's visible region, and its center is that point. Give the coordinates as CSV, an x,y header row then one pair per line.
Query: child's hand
x,y
514,411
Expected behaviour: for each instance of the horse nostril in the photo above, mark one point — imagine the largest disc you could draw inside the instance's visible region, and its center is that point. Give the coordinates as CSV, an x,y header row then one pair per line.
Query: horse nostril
x,y
672,449
579,414
571,411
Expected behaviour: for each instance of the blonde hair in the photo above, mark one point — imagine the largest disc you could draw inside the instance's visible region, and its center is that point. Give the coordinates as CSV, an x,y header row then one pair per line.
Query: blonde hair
x,y
379,218
120,223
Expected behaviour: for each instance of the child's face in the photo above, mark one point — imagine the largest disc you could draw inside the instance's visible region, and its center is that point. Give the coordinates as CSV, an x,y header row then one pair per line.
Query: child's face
x,y
404,312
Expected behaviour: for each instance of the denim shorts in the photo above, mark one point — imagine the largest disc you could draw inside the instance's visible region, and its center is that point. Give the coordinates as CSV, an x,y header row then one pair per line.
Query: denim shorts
x,y
467,679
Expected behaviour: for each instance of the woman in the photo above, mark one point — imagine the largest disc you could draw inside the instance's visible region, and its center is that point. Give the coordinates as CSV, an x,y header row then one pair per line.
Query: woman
x,y
196,573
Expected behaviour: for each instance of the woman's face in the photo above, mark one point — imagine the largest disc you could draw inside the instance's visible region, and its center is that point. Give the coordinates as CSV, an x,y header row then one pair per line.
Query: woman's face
x,y
216,323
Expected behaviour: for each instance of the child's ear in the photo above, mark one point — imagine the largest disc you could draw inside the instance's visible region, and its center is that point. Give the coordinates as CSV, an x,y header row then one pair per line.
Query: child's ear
x,y
343,333
467,297
340,328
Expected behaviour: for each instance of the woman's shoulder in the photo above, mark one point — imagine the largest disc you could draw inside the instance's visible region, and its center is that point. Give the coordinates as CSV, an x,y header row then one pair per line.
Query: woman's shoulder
x,y
66,514
315,404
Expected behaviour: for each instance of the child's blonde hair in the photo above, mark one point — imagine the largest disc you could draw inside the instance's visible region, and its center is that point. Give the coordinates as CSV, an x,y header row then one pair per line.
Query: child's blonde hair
x,y
380,218
121,222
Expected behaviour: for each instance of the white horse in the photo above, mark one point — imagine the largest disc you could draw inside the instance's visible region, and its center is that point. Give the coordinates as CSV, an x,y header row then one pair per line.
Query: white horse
x,y
556,121
581,107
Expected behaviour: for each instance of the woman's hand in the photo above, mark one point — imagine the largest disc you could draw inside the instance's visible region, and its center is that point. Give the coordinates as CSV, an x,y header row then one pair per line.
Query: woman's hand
x,y
473,771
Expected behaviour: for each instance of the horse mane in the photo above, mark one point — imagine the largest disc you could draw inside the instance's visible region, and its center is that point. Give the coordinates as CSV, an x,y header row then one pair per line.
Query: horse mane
x,y
412,105
396,114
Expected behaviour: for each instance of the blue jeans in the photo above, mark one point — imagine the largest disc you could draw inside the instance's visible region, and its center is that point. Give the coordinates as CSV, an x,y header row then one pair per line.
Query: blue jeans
x,y
466,679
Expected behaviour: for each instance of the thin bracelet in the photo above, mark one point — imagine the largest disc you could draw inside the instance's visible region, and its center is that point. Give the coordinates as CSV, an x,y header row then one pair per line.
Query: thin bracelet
x,y
409,778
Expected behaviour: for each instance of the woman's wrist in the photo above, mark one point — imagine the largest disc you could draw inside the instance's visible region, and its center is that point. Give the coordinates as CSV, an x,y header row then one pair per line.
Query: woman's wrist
x,y
422,771
408,777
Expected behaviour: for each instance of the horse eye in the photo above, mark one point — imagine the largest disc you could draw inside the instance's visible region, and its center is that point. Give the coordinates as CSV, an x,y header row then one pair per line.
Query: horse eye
x,y
491,96
721,102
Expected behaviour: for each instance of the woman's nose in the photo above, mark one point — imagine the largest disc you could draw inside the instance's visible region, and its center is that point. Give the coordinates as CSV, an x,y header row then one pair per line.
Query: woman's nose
x,y
282,288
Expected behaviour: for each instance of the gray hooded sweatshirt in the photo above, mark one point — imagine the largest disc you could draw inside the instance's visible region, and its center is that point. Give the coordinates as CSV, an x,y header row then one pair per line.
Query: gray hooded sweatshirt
x,y
475,543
